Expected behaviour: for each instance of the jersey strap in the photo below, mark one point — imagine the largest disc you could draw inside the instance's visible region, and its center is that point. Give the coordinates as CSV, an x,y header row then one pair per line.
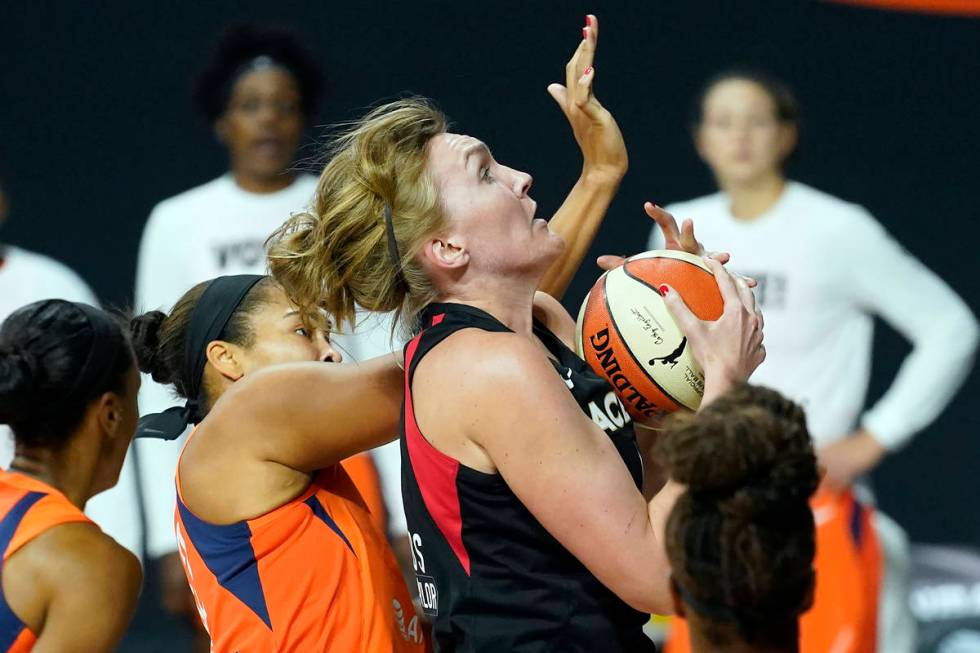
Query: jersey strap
x,y
11,627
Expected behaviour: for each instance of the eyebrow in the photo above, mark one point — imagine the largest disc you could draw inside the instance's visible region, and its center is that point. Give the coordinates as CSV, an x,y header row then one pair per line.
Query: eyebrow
x,y
290,314
473,149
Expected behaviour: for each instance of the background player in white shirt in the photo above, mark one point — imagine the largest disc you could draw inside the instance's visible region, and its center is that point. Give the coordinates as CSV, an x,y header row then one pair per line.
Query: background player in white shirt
x,y
825,268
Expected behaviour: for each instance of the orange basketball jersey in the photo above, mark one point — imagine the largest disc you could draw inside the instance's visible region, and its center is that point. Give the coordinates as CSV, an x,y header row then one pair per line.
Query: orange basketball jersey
x,y
28,507
364,474
313,575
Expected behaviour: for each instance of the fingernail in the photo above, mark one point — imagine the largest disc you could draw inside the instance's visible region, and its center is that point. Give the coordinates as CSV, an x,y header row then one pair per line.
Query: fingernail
x,y
587,70
663,290
588,20
585,32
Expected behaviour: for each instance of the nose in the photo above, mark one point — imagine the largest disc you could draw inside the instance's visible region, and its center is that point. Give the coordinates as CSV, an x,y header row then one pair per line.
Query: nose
x,y
326,351
330,355
522,183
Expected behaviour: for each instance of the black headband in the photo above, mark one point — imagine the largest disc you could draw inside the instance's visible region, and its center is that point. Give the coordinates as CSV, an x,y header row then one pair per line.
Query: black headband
x,y
396,259
211,314
101,359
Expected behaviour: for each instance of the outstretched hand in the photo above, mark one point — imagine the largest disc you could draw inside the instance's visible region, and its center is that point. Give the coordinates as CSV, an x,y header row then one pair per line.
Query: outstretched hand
x,y
727,349
596,132
682,239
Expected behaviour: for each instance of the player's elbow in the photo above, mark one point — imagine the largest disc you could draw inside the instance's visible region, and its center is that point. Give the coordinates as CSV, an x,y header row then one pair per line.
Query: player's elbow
x,y
650,595
961,335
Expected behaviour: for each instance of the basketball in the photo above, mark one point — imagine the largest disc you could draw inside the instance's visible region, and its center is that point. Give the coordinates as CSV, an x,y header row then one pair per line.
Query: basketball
x,y
627,335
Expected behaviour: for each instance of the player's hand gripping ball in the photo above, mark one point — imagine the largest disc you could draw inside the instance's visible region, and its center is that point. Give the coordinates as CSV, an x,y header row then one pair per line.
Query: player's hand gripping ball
x,y
627,335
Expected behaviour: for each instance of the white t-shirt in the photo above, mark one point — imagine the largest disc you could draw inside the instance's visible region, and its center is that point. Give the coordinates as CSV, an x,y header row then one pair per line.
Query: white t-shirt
x,y
212,230
26,277
825,267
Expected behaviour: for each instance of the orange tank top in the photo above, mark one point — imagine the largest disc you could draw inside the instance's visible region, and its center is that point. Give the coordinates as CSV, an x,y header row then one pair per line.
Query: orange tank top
x,y
28,507
315,574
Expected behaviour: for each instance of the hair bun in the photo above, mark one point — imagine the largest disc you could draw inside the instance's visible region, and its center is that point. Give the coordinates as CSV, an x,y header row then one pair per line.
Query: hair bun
x,y
749,453
18,378
145,335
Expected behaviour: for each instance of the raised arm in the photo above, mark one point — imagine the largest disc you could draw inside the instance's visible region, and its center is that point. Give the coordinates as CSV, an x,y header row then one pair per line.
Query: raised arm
x,y
307,416
604,162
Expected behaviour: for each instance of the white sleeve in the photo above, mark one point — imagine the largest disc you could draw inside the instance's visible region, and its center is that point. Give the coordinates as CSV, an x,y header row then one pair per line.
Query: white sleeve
x,y
159,285
890,282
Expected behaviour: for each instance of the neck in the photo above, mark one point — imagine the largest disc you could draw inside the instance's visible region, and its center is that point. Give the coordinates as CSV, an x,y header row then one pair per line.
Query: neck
x,y
512,305
258,184
753,198
70,470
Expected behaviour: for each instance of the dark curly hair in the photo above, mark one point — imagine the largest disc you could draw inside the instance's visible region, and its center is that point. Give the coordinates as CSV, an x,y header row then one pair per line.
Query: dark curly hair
x,y
241,44
741,539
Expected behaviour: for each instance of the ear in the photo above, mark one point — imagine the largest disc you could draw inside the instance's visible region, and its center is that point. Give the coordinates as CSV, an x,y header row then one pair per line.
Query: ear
x,y
675,598
446,253
110,412
224,357
788,137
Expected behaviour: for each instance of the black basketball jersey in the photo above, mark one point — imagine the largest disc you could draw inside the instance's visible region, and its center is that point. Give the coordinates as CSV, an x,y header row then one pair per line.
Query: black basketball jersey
x,y
489,576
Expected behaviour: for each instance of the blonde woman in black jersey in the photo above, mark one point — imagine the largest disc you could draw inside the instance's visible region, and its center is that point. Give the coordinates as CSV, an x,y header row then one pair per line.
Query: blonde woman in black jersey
x,y
501,461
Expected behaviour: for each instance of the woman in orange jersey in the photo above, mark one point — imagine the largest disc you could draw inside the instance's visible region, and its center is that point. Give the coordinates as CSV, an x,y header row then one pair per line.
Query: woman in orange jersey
x,y
68,388
277,543
741,538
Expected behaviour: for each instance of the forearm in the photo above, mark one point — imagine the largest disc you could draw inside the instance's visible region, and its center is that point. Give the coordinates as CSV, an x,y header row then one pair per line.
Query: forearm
x,y
659,509
940,361
577,222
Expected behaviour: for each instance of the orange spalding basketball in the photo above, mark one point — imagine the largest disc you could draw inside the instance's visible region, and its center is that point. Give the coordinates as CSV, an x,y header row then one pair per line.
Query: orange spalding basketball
x,y
626,334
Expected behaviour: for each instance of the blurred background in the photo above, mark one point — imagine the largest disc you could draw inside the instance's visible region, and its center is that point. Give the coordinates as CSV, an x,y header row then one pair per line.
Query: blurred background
x,y
98,125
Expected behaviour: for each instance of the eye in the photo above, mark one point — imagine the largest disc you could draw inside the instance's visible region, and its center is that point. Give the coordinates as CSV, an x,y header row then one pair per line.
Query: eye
x,y
485,175
303,332
249,105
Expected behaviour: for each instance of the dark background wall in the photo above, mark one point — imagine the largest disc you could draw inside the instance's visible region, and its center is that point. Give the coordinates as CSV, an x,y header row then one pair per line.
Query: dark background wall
x,y
96,126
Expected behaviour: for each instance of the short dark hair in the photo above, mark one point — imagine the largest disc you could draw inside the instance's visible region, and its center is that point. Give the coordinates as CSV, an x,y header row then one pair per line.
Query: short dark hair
x,y
783,99
241,44
44,348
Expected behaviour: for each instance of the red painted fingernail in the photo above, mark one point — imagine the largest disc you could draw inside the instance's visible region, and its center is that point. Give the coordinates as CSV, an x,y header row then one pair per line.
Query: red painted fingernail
x,y
663,290
587,70
585,32
588,20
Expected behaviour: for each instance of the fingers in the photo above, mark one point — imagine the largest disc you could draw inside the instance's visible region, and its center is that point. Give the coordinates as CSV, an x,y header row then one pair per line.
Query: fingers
x,y
721,257
688,241
685,319
725,283
610,261
664,220
584,53
560,95
745,293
